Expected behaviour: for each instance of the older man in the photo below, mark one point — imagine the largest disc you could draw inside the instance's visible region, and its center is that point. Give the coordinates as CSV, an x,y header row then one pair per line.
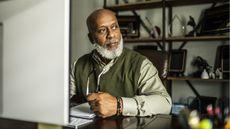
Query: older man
x,y
116,80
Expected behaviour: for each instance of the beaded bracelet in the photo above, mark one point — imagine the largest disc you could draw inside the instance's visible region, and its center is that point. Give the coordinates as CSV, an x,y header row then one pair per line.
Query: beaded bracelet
x,y
119,106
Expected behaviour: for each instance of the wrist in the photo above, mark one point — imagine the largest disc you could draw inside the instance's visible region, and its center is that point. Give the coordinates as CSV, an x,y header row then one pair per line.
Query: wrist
x,y
119,106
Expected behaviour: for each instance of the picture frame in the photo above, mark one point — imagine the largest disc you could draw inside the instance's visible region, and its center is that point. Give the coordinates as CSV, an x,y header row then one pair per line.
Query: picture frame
x,y
222,60
129,25
225,58
177,61
215,20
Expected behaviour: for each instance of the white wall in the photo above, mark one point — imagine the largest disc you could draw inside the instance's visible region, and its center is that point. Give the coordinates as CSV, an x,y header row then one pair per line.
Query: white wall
x,y
15,7
79,39
1,51
205,49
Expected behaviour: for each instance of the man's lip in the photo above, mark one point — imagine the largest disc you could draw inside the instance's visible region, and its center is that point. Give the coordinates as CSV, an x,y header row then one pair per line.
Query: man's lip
x,y
112,44
115,43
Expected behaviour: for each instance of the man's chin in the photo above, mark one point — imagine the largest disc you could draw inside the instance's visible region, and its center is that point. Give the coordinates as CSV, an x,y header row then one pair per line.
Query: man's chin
x,y
110,54
110,51
112,47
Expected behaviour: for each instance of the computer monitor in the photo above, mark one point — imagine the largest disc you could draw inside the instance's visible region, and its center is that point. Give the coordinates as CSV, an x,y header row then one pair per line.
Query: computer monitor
x,y
34,60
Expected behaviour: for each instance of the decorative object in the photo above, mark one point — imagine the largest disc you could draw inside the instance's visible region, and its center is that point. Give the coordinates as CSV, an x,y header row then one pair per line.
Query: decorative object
x,y
204,74
155,30
211,74
178,23
129,26
201,64
177,61
192,23
218,73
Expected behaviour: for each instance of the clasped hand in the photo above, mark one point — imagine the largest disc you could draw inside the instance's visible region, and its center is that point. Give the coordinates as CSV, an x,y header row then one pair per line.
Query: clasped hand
x,y
102,104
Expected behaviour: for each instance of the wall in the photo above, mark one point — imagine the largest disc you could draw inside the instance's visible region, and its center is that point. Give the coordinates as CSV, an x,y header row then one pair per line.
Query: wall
x,y
79,39
207,50
1,68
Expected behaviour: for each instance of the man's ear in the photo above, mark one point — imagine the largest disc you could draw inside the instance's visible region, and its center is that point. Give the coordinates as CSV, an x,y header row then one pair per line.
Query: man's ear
x,y
91,38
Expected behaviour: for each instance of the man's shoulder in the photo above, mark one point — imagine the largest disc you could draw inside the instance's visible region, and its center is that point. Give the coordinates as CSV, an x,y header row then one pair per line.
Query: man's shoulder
x,y
86,56
83,59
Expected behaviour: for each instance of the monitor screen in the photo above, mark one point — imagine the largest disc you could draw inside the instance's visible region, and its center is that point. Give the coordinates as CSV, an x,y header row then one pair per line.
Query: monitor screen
x,y
34,60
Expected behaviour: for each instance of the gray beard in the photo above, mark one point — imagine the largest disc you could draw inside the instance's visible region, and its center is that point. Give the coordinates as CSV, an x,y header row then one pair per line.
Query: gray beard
x,y
109,54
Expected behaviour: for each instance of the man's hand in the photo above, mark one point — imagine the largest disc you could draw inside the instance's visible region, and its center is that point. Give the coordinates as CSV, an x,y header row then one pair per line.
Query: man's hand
x,y
103,104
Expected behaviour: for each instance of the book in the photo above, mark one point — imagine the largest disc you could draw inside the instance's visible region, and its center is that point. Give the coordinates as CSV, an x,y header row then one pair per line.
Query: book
x,y
76,122
82,111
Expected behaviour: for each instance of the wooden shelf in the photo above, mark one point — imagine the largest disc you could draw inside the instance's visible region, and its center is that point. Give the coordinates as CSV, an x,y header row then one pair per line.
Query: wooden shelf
x,y
158,4
173,39
199,79
137,6
142,40
199,38
191,2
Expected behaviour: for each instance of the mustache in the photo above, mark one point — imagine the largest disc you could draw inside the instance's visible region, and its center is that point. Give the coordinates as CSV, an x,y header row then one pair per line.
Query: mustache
x,y
111,41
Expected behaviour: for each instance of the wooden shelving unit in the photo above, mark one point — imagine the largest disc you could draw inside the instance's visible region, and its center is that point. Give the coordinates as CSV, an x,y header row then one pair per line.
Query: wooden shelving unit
x,y
175,39
175,3
141,40
136,6
167,5
199,38
197,79
158,4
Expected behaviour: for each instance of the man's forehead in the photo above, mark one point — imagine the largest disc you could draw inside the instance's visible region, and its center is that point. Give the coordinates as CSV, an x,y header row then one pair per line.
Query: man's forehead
x,y
102,12
101,17
105,21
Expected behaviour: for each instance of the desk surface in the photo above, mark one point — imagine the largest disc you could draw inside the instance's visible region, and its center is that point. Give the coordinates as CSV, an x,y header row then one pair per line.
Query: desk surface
x,y
158,122
155,122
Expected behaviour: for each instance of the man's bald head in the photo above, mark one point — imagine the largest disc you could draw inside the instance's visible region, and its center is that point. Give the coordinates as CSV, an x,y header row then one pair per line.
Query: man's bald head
x,y
105,34
97,14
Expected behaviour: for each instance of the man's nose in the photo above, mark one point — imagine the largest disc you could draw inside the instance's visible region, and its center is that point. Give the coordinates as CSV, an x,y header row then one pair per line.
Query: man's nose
x,y
110,34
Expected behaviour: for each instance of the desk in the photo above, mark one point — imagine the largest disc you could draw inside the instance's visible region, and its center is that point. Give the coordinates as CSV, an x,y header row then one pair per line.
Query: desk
x,y
155,122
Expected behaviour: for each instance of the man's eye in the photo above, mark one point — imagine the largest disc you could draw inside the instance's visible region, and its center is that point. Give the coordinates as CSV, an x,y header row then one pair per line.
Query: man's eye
x,y
114,27
101,31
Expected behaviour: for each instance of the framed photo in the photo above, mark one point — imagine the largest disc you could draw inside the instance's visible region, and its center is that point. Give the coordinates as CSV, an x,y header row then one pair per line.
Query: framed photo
x,y
177,61
129,26
225,58
216,20
222,60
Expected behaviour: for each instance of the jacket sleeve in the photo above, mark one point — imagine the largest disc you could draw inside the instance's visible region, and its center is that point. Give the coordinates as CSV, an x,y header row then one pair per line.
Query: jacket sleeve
x,y
72,80
152,97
